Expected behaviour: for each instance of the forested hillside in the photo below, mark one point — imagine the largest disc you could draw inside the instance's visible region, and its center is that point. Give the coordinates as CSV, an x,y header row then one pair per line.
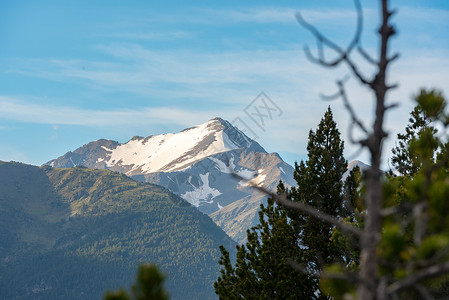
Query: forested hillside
x,y
75,233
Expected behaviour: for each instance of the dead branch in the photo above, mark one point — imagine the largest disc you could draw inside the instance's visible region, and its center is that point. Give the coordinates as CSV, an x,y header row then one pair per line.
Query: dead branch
x,y
343,54
373,219
306,209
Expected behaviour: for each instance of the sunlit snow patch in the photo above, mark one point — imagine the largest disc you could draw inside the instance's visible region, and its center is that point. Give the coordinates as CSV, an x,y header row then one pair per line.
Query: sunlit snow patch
x,y
282,170
204,193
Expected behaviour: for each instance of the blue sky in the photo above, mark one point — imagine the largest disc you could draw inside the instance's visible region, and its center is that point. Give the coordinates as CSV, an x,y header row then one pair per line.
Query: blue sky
x,y
73,72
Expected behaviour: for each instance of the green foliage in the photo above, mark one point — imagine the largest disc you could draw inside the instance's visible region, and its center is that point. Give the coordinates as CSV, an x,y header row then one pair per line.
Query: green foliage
x,y
419,143
334,283
432,104
422,235
415,232
148,286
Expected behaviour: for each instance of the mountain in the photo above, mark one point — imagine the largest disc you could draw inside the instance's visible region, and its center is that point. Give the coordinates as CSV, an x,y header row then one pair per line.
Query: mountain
x,y
75,233
358,163
200,165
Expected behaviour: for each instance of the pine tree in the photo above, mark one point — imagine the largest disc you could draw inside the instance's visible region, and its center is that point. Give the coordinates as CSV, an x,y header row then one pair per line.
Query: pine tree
x,y
405,162
320,185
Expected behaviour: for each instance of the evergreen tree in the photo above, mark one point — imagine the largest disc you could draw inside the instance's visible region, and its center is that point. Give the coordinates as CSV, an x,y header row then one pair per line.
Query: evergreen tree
x,y
403,160
320,185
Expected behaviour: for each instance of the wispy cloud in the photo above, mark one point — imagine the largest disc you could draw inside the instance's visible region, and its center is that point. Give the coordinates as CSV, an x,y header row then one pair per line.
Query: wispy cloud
x,y
158,36
286,15
27,112
190,75
430,15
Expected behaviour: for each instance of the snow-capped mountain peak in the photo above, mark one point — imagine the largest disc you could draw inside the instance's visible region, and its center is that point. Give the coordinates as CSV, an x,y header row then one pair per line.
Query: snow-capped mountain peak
x,y
168,152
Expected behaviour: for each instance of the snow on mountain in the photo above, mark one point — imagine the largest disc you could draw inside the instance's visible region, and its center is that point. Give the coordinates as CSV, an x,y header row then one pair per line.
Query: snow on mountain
x,y
202,192
355,163
199,164
171,152
161,153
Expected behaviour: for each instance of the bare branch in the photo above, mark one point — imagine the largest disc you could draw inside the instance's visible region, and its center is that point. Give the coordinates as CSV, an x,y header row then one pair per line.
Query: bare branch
x,y
420,227
357,73
441,254
392,87
331,97
391,106
304,208
361,142
343,54
394,57
396,210
320,60
348,106
345,227
298,267
318,35
389,211
341,93
429,272
366,56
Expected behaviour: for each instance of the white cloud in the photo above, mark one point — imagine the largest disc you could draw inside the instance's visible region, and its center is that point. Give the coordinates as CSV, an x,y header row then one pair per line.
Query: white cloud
x,y
27,112
423,14
159,36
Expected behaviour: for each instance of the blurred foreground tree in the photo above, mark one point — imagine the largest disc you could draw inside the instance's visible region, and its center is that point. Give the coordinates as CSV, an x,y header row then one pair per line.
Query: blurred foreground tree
x,y
148,286
397,237
379,235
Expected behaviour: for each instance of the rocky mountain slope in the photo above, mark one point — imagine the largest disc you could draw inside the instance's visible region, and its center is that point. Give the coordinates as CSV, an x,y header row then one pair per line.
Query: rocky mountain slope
x,y
199,164
75,233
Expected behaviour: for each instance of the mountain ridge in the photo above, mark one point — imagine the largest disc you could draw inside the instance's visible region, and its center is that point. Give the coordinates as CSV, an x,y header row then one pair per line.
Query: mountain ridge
x,y
199,142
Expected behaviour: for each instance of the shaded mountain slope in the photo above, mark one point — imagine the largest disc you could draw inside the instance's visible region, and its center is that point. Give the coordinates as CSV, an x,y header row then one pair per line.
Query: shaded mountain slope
x,y
74,233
